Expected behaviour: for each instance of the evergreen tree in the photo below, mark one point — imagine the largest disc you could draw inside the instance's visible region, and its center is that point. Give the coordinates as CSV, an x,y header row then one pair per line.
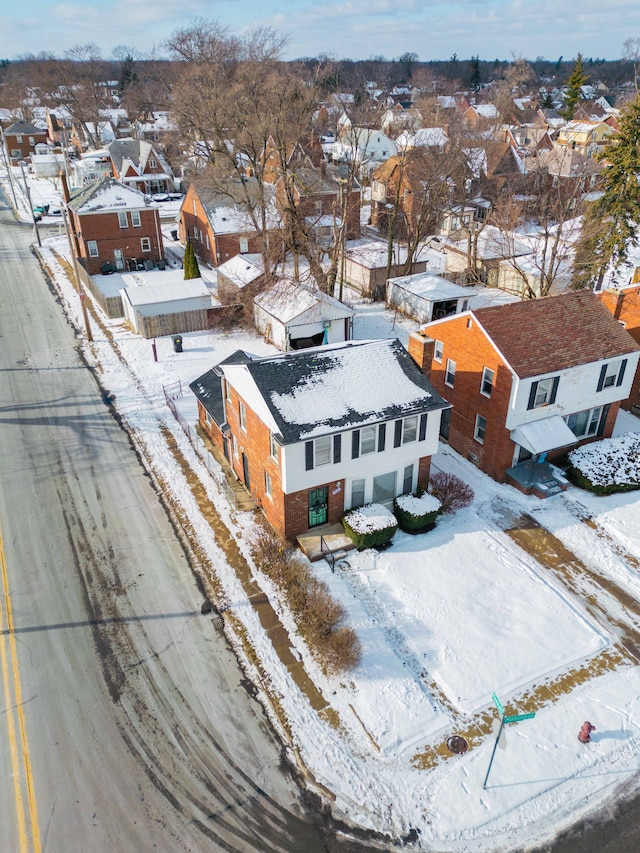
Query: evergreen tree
x,y
474,79
190,264
611,223
574,86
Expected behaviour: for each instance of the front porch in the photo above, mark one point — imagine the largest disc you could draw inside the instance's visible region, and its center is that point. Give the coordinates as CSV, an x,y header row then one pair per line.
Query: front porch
x,y
540,479
332,536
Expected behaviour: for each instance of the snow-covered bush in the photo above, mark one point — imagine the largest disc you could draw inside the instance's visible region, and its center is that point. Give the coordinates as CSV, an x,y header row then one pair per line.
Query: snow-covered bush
x,y
417,513
607,466
370,526
452,492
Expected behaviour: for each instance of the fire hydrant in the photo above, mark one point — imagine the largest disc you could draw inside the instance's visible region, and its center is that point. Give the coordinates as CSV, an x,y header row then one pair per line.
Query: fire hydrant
x,y
584,735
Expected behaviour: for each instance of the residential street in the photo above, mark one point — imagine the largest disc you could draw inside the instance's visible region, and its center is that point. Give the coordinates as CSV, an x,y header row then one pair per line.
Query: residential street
x,y
127,723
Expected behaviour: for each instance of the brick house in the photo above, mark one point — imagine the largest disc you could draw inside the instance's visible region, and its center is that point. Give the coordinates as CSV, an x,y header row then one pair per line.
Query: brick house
x,y
624,305
219,224
528,381
310,437
21,139
116,225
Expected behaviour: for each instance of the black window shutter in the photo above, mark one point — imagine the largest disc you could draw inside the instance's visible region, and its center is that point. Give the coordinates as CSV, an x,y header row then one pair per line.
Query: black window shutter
x,y
355,444
308,455
603,419
623,367
397,438
382,437
337,447
554,389
603,373
423,427
532,395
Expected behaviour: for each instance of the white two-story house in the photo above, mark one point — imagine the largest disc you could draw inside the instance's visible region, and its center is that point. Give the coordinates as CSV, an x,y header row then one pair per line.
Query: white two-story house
x,y
316,432
528,380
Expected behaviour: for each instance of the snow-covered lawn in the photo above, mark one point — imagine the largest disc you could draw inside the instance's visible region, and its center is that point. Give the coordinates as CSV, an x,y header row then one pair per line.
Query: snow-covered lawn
x,y
445,619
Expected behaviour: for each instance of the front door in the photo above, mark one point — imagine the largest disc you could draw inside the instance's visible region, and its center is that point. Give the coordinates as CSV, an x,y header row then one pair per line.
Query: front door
x,y
245,472
318,506
118,258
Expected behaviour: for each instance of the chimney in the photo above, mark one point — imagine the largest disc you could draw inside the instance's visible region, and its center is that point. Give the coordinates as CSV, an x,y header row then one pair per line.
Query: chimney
x,y
421,351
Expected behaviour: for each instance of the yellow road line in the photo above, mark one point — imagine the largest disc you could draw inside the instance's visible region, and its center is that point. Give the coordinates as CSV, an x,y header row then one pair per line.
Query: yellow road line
x,y
14,704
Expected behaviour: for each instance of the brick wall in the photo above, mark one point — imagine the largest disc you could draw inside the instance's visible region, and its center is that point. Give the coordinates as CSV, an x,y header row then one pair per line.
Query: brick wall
x,y
624,305
105,229
471,350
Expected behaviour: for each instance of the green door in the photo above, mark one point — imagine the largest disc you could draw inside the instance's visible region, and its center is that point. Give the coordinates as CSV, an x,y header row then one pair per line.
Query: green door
x,y
318,505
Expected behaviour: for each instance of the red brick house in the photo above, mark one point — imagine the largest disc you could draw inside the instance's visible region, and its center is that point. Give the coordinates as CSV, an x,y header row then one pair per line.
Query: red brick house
x,y
115,225
310,437
219,224
528,381
21,139
624,305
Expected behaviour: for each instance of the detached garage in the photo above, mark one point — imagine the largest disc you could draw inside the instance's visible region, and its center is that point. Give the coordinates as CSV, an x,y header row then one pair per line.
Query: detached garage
x,y
294,317
169,308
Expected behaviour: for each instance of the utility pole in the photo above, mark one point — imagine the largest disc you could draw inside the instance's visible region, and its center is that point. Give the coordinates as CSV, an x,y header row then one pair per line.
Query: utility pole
x,y
76,272
28,194
7,161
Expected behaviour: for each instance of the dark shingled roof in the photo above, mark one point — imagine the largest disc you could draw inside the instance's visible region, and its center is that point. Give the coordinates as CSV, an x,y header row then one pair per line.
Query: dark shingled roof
x,y
208,389
544,335
283,375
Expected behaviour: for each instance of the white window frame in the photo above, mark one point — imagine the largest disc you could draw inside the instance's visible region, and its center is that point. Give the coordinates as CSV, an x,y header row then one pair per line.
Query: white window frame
x,y
123,222
92,248
592,421
152,163
438,351
358,487
145,244
543,392
611,375
488,378
368,440
450,373
480,429
242,415
268,486
322,451
410,429
136,219
244,245
273,447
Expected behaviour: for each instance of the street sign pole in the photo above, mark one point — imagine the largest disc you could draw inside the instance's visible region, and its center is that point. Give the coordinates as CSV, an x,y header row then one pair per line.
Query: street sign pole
x,y
495,746
503,719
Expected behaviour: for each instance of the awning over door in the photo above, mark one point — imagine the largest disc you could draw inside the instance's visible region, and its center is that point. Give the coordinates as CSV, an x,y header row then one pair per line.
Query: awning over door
x,y
547,434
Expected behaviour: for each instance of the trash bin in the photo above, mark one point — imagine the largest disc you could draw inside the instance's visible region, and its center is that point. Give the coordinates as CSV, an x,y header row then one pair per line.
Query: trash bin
x,y
174,234
177,343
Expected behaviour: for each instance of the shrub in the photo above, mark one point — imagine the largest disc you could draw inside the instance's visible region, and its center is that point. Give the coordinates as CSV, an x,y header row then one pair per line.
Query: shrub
x,y
416,513
342,650
273,555
452,492
324,613
370,526
607,466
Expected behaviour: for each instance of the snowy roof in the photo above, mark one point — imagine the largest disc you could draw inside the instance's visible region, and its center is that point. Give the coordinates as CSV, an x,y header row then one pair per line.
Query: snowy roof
x,y
316,391
286,301
431,286
169,291
430,136
373,255
242,269
107,195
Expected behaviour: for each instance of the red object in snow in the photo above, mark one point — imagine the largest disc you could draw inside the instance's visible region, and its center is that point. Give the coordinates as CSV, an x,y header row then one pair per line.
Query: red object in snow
x,y
584,735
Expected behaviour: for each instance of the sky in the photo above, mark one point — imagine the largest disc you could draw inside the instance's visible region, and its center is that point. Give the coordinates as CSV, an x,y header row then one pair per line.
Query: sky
x,y
356,29
421,678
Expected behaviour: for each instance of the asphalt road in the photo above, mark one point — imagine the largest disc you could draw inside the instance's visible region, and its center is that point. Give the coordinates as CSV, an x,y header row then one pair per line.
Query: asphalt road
x,y
125,722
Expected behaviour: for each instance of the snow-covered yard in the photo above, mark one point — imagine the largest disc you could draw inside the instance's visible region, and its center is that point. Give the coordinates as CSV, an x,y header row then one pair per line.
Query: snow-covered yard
x,y
445,619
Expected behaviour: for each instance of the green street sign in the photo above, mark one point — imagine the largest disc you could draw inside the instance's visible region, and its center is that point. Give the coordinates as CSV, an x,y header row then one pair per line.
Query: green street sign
x,y
519,717
498,703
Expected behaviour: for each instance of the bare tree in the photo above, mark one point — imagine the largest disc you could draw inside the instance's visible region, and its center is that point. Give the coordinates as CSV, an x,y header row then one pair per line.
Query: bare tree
x,y
631,53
